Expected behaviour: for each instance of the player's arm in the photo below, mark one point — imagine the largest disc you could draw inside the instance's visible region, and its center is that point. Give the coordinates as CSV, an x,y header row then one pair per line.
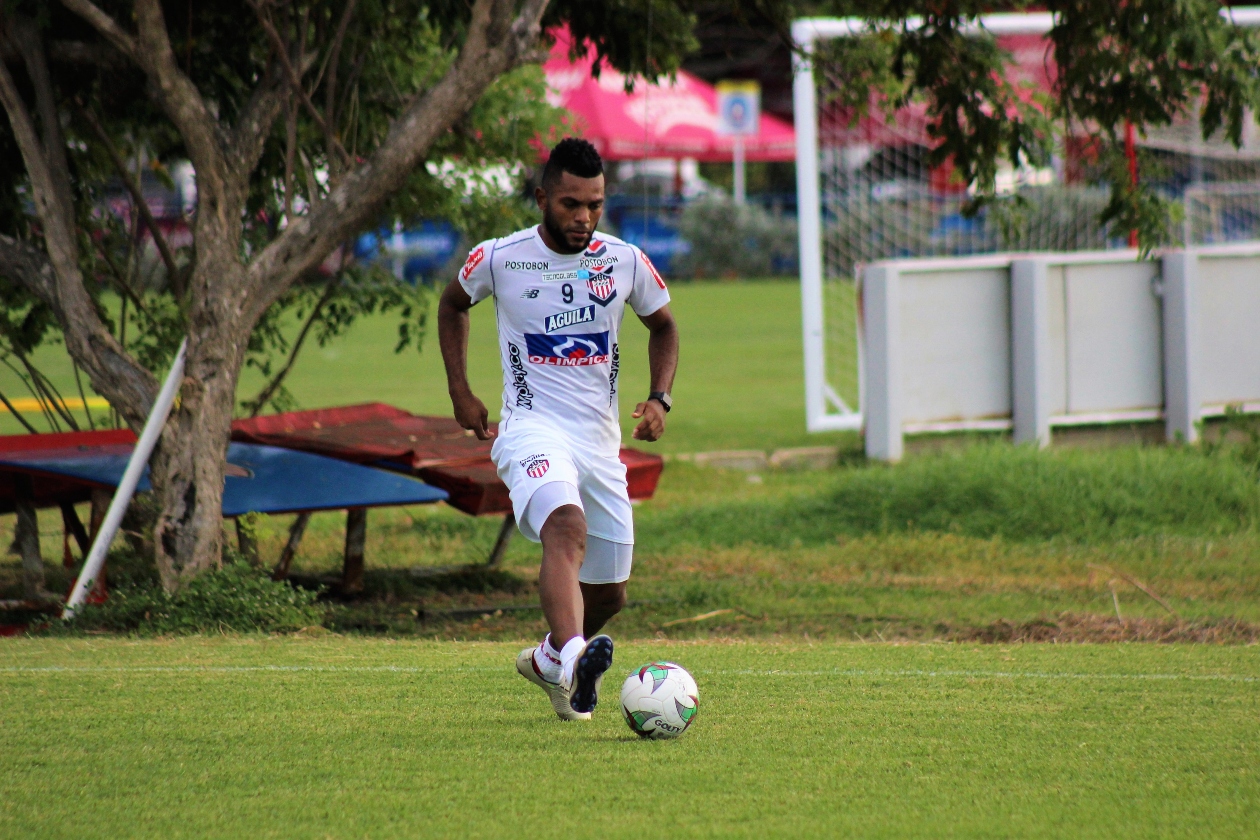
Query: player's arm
x,y
662,363
452,319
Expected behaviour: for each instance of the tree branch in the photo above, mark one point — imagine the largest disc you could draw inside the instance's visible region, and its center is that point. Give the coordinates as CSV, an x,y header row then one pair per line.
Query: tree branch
x,y
259,402
137,198
55,278
184,104
495,43
249,138
331,61
295,80
30,43
29,428
105,25
28,266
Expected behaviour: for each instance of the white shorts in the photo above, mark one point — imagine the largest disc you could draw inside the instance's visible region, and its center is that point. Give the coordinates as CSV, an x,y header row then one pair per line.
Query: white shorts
x,y
532,455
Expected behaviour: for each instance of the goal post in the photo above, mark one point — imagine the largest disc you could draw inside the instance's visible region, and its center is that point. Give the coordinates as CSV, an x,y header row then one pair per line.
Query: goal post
x,y
830,289
867,191
821,413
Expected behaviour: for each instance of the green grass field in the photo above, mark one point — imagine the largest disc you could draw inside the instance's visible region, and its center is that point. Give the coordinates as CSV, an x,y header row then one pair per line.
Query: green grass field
x,y
337,737
740,382
813,607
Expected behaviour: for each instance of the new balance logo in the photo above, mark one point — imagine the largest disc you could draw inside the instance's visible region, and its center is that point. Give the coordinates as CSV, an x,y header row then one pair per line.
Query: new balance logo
x,y
530,294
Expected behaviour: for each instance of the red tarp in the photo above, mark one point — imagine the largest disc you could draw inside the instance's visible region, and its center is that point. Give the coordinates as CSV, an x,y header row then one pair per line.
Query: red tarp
x,y
675,119
434,448
50,490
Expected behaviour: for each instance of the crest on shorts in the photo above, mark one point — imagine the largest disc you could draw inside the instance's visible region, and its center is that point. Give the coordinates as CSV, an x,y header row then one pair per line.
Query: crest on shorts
x,y
535,466
600,283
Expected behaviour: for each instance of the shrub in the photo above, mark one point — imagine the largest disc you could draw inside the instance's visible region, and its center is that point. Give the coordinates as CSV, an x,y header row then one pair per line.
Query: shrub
x,y
237,597
730,240
991,490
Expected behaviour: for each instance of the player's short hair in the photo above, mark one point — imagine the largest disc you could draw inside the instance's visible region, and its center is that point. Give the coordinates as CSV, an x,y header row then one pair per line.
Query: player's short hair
x,y
572,155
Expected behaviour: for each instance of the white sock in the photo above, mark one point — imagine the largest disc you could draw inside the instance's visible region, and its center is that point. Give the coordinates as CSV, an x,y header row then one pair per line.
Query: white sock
x,y
547,658
568,658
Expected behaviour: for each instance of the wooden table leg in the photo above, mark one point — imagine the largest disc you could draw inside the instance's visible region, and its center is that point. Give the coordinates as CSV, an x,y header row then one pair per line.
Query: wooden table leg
x,y
74,528
296,530
505,535
26,538
356,538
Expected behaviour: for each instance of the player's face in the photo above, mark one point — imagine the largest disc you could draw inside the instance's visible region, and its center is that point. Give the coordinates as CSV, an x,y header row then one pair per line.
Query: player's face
x,y
571,210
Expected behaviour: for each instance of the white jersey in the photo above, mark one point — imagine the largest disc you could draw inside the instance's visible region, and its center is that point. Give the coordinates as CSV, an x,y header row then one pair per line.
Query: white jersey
x,y
559,316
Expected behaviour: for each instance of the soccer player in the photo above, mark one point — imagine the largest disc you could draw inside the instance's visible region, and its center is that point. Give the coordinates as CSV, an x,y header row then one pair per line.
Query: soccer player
x,y
560,291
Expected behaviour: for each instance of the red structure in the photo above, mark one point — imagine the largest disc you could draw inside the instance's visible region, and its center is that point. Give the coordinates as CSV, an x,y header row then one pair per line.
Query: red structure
x,y
675,119
435,449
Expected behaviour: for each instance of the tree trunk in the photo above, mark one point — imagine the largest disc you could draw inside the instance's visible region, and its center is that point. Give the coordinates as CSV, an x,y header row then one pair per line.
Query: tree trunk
x,y
188,476
188,465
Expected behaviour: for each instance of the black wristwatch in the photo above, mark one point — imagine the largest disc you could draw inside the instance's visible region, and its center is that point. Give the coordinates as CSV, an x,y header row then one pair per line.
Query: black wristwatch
x,y
662,398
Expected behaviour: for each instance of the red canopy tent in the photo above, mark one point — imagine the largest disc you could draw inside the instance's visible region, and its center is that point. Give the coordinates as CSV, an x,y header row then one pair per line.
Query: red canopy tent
x,y
676,119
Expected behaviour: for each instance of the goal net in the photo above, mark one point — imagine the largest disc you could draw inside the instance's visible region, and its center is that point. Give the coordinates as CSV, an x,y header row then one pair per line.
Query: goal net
x,y
866,192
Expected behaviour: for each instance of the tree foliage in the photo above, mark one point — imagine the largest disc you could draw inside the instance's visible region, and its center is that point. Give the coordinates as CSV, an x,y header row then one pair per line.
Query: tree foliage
x,y
1143,63
308,122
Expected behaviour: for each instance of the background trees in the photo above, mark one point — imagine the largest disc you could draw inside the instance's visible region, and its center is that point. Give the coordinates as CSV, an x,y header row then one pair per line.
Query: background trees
x,y
309,121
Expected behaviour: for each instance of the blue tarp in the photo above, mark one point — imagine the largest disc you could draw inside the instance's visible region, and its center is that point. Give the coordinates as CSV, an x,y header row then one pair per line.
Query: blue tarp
x,y
279,480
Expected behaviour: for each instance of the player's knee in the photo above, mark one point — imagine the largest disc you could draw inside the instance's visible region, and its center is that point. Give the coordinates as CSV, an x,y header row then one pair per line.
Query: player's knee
x,y
606,600
565,525
616,600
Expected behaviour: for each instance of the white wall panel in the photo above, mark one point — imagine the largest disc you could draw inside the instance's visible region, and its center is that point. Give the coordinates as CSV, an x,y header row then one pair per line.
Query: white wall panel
x,y
1114,337
955,345
1229,329
1056,318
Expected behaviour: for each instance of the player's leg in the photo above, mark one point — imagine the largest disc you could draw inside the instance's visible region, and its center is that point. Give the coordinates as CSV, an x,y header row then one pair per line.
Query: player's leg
x,y
542,479
554,516
600,602
609,541
605,570
564,546
582,662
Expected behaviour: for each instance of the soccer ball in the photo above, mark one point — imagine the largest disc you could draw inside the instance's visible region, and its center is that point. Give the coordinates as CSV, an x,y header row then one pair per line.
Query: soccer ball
x,y
659,700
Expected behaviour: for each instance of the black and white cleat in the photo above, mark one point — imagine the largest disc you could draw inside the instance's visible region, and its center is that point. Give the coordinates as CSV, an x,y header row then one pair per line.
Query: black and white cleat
x,y
588,673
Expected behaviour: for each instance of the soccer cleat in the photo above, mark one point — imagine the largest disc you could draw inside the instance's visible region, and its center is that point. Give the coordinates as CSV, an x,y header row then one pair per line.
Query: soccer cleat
x,y
588,673
556,693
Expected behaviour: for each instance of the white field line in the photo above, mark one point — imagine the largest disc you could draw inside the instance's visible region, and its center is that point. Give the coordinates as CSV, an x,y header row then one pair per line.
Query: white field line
x,y
1032,675
740,672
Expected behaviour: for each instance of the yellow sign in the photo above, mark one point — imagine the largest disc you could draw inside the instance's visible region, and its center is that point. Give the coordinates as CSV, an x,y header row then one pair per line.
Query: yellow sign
x,y
739,107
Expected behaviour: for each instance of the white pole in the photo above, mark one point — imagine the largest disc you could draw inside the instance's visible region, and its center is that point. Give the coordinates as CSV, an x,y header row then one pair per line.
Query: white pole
x,y
808,216
398,245
739,169
127,487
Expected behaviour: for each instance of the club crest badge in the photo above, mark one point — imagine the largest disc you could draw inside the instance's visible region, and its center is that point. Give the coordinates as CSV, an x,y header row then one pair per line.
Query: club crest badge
x,y
601,286
535,466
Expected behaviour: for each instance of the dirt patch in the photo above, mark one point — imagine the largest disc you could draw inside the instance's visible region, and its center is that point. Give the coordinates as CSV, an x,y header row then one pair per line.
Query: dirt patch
x,y
1071,627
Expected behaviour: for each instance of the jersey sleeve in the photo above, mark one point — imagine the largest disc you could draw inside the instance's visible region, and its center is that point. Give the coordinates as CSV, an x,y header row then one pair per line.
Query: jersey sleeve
x,y
475,276
649,293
